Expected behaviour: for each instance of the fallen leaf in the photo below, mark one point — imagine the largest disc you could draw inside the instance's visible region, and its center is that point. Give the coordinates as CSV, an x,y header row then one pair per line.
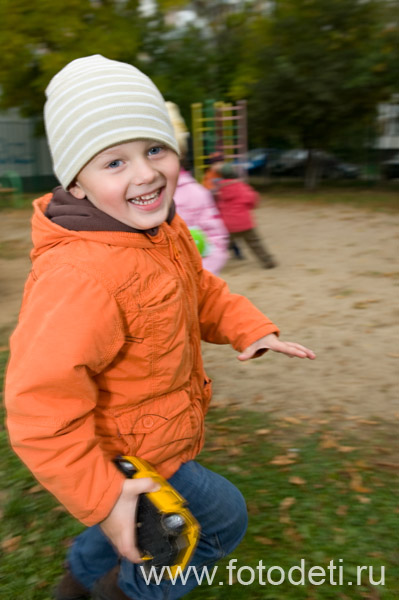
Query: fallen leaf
x,y
361,464
389,465
11,544
328,442
226,419
243,438
234,469
342,510
375,554
356,484
257,398
296,480
285,519
292,420
345,449
59,509
262,431
264,540
364,499
363,304
336,408
42,584
234,452
293,534
287,503
282,460
253,508
222,441
35,489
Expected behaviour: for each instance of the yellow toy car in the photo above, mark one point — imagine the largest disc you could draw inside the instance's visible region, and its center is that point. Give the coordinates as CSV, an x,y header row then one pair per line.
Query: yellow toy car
x,y
167,532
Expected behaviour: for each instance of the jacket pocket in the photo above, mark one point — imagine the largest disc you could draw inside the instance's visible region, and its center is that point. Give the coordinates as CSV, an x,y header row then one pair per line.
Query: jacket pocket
x,y
157,352
160,429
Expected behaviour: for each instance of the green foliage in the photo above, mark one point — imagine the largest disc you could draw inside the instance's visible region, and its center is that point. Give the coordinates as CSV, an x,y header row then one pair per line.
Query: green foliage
x,y
313,71
317,69
37,41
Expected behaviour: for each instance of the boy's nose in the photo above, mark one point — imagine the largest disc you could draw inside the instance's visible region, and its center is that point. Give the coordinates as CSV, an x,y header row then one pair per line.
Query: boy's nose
x,y
143,172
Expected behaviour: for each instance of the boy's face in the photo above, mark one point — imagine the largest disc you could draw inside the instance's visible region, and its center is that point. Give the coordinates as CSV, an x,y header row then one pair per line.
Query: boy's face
x,y
217,166
132,182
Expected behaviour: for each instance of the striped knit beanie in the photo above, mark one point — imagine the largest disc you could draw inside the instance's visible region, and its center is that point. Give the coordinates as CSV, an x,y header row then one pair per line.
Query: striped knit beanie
x,y
94,103
179,127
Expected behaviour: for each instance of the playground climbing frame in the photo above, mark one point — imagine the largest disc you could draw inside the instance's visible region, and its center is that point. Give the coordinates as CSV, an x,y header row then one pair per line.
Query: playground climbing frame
x,y
218,127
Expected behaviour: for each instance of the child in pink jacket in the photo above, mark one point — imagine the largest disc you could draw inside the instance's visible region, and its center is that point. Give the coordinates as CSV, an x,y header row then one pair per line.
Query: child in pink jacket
x,y
195,204
236,199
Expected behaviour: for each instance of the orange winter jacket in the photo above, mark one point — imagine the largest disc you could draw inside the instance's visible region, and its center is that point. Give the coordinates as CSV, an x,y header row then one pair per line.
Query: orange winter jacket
x,y
106,356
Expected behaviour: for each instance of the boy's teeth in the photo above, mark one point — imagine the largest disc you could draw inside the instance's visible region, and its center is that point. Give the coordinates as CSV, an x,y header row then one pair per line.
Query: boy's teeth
x,y
145,199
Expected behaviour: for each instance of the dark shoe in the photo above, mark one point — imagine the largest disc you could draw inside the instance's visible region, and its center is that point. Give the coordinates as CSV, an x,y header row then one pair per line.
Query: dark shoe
x,y
270,264
70,589
106,588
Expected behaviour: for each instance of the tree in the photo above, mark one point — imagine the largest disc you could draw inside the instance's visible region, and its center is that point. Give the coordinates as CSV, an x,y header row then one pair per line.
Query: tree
x,y
315,69
38,38
193,64
189,64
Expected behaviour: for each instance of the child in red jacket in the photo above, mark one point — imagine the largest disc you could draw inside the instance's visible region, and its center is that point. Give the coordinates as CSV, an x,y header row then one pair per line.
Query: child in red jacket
x,y
236,199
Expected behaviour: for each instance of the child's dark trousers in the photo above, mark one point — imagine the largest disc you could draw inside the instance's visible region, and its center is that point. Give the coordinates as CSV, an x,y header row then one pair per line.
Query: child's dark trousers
x,y
214,501
257,246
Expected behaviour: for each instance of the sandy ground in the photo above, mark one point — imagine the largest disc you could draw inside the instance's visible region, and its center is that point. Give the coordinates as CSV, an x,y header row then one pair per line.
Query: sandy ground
x,y
335,290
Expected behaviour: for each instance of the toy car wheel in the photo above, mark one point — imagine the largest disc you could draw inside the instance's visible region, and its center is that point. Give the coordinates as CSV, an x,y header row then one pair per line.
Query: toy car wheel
x,y
173,523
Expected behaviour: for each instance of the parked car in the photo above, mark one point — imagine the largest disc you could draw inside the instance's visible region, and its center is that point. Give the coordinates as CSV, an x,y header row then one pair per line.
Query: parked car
x,y
390,168
292,163
256,161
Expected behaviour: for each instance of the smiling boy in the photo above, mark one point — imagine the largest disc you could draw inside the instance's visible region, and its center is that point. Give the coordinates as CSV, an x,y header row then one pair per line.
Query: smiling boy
x,y
132,182
106,357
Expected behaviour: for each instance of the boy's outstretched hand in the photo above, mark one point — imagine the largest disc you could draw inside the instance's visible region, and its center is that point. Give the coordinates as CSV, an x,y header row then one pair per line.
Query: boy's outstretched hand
x,y
120,525
271,342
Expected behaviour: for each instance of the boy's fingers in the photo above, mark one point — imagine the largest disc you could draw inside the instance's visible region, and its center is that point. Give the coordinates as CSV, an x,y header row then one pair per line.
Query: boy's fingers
x,y
294,349
244,356
128,549
248,353
144,485
291,349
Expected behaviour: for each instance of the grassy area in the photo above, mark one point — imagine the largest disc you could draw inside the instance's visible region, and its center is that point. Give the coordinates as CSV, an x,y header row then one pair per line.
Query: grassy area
x,y
312,493
8,201
361,194
372,196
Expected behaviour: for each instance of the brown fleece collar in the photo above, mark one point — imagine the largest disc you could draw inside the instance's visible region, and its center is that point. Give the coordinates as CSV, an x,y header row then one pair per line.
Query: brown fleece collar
x,y
81,215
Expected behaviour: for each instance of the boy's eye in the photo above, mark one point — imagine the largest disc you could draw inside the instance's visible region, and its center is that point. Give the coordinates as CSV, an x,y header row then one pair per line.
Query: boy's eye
x,y
155,150
114,164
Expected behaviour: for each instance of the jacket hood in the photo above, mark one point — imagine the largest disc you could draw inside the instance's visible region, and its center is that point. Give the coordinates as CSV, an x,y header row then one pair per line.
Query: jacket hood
x,y
47,234
185,178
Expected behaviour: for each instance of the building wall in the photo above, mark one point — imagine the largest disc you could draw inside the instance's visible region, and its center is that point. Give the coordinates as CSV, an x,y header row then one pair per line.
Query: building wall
x,y
23,153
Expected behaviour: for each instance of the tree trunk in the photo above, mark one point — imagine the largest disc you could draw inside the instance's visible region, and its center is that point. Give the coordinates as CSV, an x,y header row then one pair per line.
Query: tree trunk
x,y
312,173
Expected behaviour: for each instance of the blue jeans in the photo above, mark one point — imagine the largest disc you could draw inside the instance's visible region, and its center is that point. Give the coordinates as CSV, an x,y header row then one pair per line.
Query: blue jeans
x,y
215,502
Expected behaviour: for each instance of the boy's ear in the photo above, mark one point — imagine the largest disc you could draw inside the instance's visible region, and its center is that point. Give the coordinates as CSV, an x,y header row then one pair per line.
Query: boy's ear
x,y
76,191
